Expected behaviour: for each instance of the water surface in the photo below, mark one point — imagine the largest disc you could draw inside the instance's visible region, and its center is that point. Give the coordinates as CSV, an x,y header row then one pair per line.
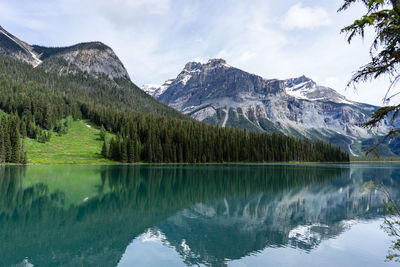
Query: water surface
x,y
207,215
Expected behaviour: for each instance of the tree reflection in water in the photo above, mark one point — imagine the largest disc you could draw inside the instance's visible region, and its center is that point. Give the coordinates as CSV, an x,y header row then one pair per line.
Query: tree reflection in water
x,y
220,211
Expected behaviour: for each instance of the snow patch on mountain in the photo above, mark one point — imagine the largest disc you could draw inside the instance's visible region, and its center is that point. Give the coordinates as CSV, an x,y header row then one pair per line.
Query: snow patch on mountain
x,y
185,78
36,59
305,88
298,91
156,90
24,46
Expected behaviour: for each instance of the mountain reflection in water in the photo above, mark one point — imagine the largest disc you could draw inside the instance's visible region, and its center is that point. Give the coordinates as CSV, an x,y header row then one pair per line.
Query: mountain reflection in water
x,y
209,214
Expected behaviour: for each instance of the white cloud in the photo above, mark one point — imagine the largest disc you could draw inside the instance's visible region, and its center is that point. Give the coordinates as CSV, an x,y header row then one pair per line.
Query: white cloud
x,y
145,7
332,82
299,17
155,38
121,14
10,14
246,56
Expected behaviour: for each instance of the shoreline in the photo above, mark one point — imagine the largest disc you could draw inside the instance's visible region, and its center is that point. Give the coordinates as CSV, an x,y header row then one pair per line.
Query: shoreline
x,y
351,162
199,164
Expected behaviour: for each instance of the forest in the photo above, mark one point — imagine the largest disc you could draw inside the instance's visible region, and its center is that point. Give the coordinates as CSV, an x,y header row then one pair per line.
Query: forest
x,y
156,139
39,103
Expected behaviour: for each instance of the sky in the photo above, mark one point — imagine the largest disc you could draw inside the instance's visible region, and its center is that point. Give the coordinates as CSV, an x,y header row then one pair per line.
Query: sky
x,y
156,38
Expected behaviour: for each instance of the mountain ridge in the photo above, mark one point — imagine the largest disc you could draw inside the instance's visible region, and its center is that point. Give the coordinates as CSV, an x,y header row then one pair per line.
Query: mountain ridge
x,y
90,70
95,58
219,94
67,85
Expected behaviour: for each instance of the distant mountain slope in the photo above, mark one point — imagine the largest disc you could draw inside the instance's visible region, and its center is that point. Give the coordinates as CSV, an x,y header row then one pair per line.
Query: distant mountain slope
x,y
13,47
222,95
22,84
90,71
94,58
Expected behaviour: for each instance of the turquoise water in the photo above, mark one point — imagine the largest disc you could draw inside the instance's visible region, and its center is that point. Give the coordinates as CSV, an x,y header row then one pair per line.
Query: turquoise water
x,y
207,215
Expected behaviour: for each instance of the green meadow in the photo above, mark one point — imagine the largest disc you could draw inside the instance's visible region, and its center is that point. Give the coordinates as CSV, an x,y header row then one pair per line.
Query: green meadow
x,y
81,145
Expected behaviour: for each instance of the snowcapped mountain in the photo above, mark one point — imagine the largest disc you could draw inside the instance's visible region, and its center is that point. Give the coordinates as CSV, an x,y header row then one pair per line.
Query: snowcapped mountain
x,y
94,58
157,90
220,94
305,88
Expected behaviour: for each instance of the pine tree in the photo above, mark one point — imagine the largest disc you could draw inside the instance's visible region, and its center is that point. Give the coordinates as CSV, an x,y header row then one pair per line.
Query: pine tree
x,y
2,148
124,152
131,151
47,120
104,149
102,133
6,140
22,158
15,139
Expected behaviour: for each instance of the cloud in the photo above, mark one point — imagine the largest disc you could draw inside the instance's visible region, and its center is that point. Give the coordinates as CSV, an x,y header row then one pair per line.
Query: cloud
x,y
122,13
19,17
299,17
146,7
155,38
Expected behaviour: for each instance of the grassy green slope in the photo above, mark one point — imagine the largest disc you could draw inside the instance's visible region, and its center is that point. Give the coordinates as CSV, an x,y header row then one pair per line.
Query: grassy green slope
x,y
81,145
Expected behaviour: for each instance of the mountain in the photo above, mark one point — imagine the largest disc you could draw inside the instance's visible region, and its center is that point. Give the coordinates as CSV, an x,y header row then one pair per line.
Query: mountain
x,y
301,217
220,94
94,58
88,81
88,72
11,46
220,213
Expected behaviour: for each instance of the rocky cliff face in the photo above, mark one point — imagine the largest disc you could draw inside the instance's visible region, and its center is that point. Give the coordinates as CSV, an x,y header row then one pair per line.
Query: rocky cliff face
x,y
94,58
229,97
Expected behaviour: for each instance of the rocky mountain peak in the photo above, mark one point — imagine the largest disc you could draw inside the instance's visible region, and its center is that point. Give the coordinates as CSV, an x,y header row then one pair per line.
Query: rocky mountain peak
x,y
157,90
219,94
216,62
212,63
300,86
94,58
299,80
191,66
305,88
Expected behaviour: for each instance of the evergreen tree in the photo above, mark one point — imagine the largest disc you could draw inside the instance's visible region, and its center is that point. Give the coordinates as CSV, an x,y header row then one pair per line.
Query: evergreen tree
x,y
15,139
124,152
131,151
102,133
22,157
383,16
104,149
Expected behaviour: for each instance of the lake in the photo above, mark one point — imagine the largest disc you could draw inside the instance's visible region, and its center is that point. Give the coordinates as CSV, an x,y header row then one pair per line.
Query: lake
x,y
203,215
